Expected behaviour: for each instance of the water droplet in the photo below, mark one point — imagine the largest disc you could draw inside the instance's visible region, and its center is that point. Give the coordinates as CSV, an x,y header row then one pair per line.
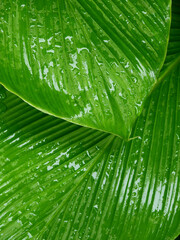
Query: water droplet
x,y
134,79
2,96
94,175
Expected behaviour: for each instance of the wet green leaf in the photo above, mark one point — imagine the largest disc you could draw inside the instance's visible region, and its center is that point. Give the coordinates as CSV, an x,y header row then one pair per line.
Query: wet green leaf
x,y
59,180
90,62
62,181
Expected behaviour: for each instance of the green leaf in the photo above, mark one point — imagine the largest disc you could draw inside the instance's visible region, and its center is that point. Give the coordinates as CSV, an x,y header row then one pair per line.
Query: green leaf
x,y
90,62
62,181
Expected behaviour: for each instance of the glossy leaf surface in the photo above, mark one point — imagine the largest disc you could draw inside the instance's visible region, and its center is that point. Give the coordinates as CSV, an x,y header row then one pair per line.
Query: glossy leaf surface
x,y
62,181
90,62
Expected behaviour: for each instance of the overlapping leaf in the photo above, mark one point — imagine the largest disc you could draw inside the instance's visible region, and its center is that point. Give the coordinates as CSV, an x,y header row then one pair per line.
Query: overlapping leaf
x,y
90,62
62,181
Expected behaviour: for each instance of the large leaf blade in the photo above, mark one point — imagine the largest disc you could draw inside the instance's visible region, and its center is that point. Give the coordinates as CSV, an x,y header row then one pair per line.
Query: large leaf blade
x,y
63,181
90,62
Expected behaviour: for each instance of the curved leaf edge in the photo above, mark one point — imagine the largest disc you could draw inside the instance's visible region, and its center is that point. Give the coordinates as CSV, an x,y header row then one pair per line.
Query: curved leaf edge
x,y
174,235
129,138
162,75
60,117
